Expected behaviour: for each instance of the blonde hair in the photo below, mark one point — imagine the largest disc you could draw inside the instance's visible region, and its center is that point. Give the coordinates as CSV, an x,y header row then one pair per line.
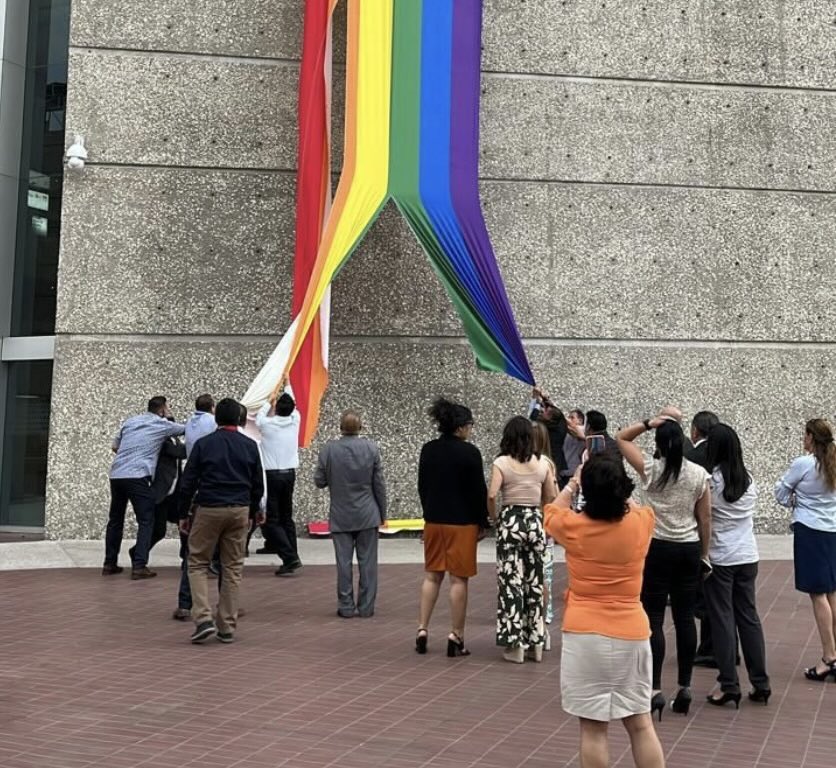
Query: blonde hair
x,y
824,449
541,442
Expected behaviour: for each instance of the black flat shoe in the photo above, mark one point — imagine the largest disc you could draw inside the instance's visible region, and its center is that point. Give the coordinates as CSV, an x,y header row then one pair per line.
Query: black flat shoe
x,y
761,695
421,640
724,699
812,673
455,646
657,704
682,703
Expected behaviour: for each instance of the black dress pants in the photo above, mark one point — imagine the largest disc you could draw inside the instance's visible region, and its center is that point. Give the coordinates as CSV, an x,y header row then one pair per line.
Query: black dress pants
x,y
279,530
672,569
141,496
730,595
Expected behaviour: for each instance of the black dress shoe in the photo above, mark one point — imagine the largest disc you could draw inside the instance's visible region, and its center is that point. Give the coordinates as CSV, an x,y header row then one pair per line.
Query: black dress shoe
x,y
142,573
266,551
705,661
288,569
111,570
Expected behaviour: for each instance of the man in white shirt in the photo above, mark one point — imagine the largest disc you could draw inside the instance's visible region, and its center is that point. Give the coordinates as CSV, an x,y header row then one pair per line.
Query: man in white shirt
x,y
280,449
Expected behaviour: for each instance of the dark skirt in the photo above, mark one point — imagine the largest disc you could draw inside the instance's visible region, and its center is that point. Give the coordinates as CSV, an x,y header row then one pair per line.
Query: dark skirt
x,y
814,553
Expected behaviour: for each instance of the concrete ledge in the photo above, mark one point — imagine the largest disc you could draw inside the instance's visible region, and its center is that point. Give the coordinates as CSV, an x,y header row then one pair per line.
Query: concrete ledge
x,y
28,555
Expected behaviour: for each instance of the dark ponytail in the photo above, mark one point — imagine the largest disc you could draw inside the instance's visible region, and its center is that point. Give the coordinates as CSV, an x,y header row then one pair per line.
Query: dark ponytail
x,y
725,453
670,445
449,416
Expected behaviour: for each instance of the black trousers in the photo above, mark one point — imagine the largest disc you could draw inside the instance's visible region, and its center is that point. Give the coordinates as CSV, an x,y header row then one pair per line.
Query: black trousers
x,y
138,492
672,569
279,530
730,596
162,516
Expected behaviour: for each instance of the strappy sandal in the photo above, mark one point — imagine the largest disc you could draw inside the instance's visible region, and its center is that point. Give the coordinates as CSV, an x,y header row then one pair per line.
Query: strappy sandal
x,y
421,640
811,673
455,646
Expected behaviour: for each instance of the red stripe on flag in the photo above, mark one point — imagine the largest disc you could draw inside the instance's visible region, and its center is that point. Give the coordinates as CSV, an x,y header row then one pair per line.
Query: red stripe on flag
x,y
308,376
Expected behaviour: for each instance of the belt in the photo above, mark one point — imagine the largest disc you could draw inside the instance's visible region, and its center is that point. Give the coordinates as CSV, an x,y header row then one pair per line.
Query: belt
x,y
282,471
223,506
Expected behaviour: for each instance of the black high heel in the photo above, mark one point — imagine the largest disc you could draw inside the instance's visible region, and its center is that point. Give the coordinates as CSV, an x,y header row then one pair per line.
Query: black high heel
x,y
455,646
682,702
421,641
812,674
760,694
657,704
724,699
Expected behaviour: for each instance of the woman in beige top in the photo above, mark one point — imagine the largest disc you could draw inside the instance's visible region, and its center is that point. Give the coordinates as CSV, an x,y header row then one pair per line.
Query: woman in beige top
x,y
525,482
677,489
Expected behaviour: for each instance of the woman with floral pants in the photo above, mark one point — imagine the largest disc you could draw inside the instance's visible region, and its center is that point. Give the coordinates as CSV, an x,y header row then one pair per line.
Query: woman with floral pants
x,y
524,481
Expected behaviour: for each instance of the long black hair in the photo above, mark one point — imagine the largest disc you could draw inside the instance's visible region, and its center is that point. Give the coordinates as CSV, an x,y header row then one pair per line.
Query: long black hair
x,y
725,454
517,439
670,445
449,416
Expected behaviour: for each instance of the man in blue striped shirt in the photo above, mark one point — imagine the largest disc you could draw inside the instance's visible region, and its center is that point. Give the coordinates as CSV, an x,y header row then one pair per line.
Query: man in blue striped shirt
x,y
137,448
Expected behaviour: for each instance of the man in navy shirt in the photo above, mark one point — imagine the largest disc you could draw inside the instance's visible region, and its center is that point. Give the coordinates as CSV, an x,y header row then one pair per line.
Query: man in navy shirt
x,y
224,480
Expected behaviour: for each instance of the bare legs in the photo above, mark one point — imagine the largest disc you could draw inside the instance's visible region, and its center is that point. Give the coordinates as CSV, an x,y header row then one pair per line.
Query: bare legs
x,y
824,609
647,751
429,595
595,750
430,588
458,604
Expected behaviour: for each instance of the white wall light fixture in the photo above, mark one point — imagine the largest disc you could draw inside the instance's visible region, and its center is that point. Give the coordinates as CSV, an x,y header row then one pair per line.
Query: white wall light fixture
x,y
77,154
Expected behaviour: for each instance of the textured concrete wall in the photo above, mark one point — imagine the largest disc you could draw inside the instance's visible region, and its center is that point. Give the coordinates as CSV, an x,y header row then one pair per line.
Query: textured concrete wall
x,y
658,180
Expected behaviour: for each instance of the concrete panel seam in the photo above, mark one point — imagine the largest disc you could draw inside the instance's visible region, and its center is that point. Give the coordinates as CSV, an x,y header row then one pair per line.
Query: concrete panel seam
x,y
461,341
648,185
489,179
201,168
187,56
703,85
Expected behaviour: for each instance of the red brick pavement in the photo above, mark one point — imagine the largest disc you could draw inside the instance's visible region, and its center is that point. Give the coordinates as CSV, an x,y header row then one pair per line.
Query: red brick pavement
x,y
93,672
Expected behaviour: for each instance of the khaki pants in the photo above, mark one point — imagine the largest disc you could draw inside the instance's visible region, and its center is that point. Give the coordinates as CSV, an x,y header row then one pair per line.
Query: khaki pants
x,y
225,527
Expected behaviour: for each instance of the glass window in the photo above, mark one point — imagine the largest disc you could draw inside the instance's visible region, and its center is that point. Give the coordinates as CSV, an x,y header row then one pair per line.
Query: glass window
x,y
25,443
41,186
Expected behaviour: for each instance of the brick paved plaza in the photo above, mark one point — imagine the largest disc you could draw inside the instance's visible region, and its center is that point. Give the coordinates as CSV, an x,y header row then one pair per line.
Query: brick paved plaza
x,y
93,672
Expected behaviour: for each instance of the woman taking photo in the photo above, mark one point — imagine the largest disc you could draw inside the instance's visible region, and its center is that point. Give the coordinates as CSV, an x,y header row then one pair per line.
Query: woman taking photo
x,y
730,587
677,489
606,657
809,488
525,481
451,484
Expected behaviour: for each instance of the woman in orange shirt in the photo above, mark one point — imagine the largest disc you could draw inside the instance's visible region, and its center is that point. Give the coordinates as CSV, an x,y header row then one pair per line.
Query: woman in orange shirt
x,y
606,663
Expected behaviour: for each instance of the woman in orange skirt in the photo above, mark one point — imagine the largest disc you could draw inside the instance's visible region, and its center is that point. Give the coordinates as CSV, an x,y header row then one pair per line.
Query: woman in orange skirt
x,y
451,484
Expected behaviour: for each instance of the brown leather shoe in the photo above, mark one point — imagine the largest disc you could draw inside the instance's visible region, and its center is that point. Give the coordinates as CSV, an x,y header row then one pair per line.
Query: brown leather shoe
x,y
142,573
111,570
182,614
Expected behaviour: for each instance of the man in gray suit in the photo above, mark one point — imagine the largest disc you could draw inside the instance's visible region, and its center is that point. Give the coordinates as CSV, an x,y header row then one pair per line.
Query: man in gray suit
x,y
350,467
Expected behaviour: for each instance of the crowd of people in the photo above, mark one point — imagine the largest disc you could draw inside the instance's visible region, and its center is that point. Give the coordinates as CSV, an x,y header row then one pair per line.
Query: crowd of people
x,y
685,539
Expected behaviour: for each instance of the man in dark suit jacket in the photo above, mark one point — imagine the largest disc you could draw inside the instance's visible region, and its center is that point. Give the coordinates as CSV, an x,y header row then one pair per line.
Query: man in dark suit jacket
x,y
351,469
702,423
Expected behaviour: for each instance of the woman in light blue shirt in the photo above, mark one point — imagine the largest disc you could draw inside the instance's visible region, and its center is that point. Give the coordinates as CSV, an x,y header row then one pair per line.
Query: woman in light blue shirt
x,y
809,488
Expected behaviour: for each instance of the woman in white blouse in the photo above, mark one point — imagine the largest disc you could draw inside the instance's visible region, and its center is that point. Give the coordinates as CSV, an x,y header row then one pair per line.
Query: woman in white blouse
x,y
730,587
809,488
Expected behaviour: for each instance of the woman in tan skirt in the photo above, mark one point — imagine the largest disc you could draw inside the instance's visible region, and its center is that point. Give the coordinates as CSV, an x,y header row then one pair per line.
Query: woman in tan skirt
x,y
606,660
451,484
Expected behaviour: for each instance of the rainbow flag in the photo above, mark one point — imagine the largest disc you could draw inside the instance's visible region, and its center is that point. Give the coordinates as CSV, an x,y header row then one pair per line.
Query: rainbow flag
x,y
412,135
